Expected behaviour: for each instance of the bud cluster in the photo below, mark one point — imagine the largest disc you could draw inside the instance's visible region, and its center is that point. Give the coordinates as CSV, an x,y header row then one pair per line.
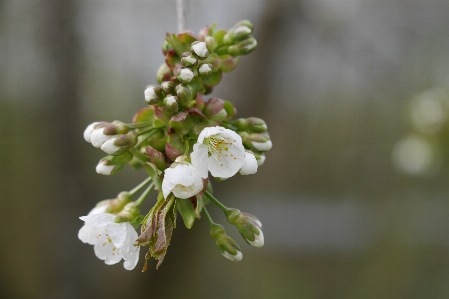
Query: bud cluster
x,y
179,138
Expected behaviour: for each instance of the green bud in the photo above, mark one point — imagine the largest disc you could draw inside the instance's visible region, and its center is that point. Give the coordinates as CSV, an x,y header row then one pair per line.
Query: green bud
x,y
166,47
157,158
214,110
184,95
116,205
240,31
228,63
168,87
227,246
188,59
244,47
251,124
181,123
248,226
205,70
128,214
211,43
230,109
259,142
171,104
163,74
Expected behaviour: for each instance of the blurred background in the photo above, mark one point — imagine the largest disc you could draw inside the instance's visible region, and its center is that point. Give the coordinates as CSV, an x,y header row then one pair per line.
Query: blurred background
x,y
353,196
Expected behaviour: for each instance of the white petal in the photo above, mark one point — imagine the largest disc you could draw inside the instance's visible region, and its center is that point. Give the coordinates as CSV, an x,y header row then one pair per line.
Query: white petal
x,y
104,169
131,259
186,75
200,49
263,146
236,258
249,164
109,146
227,163
259,241
88,131
204,68
261,160
98,138
150,94
199,158
98,220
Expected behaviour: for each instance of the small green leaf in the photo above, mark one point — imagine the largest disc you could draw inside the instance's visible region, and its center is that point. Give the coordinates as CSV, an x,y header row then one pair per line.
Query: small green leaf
x,y
187,211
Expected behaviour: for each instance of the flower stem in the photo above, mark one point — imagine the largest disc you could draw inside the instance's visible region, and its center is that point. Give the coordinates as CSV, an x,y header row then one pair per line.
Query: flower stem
x,y
139,125
139,155
147,135
215,201
209,219
139,187
148,130
144,195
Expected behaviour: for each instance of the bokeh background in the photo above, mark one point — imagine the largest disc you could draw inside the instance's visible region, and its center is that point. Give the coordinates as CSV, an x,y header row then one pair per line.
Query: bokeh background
x,y
353,196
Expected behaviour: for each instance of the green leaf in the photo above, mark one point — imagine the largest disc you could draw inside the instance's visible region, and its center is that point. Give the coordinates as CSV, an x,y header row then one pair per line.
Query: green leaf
x,y
187,211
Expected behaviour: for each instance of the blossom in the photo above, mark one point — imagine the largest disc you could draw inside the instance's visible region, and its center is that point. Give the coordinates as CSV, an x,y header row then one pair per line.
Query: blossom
x,y
249,164
182,180
89,130
219,151
112,241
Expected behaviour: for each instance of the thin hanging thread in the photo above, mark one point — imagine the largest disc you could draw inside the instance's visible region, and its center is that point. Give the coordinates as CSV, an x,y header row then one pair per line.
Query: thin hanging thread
x,y
182,14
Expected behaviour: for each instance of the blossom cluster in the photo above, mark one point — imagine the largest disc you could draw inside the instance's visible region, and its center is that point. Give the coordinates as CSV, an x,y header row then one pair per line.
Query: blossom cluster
x,y
180,139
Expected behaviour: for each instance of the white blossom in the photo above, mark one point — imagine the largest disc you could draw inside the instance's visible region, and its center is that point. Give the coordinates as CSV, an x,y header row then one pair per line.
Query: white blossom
x,y
102,168
112,241
219,151
88,131
109,147
249,164
98,137
182,180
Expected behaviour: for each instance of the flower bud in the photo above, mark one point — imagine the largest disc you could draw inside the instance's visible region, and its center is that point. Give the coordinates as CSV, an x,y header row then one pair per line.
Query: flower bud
x,y
171,104
181,123
251,124
211,43
249,226
249,164
119,144
184,95
244,47
153,95
257,141
163,73
157,158
260,157
89,130
112,164
214,110
129,213
188,59
230,109
185,75
199,49
112,206
240,31
228,63
205,70
103,132
166,47
227,246
168,87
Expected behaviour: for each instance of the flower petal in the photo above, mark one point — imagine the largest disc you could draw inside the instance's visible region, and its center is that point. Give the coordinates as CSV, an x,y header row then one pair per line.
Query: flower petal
x,y
199,158
249,164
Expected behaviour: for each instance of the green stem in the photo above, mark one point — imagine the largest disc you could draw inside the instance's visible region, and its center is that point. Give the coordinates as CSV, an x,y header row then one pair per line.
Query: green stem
x,y
139,155
139,125
149,133
215,201
139,187
187,150
148,130
209,219
144,195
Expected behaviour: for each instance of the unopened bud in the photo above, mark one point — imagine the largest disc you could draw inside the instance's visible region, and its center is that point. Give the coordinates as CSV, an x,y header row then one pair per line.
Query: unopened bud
x,y
157,158
119,144
112,164
244,47
185,75
260,157
166,47
227,246
251,125
129,213
214,110
168,87
240,31
184,95
153,94
171,104
249,164
247,225
205,70
104,131
89,130
257,141
188,59
210,43
163,73
199,49
181,123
